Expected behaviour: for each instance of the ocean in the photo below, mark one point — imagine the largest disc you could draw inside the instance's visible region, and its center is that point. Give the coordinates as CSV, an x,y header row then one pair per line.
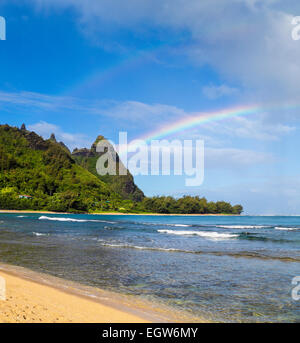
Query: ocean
x,y
222,268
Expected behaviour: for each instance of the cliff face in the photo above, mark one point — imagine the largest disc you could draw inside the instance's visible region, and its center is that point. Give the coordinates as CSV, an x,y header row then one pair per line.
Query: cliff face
x,y
122,184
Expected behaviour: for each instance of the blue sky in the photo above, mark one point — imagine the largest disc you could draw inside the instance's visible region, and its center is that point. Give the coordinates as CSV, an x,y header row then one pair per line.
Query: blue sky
x,y
80,68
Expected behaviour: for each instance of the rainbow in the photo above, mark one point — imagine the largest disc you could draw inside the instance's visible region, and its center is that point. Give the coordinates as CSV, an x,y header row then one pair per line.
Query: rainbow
x,y
204,118
201,118
194,121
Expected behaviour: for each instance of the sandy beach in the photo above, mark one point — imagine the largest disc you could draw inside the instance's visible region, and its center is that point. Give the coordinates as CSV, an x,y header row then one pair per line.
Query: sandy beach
x,y
119,213
32,297
31,302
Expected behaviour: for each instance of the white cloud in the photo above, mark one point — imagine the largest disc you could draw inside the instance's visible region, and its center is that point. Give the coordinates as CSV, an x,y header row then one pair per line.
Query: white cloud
x,y
263,58
277,195
213,92
133,110
73,141
258,128
223,158
138,114
129,111
38,101
247,42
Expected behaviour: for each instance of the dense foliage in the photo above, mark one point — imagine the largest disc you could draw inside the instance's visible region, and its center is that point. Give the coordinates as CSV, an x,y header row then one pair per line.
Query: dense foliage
x,y
45,171
188,205
38,174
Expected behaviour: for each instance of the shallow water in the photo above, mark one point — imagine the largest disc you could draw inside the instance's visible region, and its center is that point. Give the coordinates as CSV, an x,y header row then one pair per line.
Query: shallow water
x,y
222,268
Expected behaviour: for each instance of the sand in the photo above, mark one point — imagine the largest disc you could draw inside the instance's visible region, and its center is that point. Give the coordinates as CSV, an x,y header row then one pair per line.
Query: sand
x,y
30,302
33,297
120,213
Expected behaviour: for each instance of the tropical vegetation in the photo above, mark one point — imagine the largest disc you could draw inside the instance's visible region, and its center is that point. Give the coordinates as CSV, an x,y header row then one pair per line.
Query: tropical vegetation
x,y
38,174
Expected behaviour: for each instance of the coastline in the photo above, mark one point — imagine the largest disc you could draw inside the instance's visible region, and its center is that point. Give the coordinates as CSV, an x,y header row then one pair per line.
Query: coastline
x,y
33,297
119,213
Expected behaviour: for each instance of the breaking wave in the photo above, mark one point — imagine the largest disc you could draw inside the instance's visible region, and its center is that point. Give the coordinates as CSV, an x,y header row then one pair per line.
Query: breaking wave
x,y
180,225
75,220
286,228
39,234
205,234
243,226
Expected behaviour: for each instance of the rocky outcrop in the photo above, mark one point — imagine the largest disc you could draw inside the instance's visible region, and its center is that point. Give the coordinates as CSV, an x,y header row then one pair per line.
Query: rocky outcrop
x,y
84,152
122,184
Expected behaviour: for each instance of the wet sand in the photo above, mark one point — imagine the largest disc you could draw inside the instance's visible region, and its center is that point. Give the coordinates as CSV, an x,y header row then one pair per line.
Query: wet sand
x,y
30,302
39,298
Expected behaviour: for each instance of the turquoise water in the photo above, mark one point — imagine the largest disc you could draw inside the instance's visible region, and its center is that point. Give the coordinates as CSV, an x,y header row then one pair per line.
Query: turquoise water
x,y
223,268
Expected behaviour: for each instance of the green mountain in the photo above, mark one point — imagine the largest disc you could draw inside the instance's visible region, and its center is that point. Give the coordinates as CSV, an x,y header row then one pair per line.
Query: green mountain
x,y
38,174
50,177
122,184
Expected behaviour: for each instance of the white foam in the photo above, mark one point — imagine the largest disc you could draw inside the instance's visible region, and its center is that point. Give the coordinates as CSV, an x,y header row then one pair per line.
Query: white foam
x,y
205,234
39,234
182,225
165,224
142,247
286,228
74,220
243,226
21,216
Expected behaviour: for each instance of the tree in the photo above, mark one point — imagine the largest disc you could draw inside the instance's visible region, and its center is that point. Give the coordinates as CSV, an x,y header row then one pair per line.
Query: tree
x,y
237,209
223,207
211,207
188,204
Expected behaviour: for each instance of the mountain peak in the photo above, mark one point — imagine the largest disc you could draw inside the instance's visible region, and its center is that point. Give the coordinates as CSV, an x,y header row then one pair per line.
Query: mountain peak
x,y
52,137
94,145
121,184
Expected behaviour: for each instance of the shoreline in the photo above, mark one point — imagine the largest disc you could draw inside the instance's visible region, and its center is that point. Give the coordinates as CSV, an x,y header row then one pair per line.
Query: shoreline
x,y
33,297
119,213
